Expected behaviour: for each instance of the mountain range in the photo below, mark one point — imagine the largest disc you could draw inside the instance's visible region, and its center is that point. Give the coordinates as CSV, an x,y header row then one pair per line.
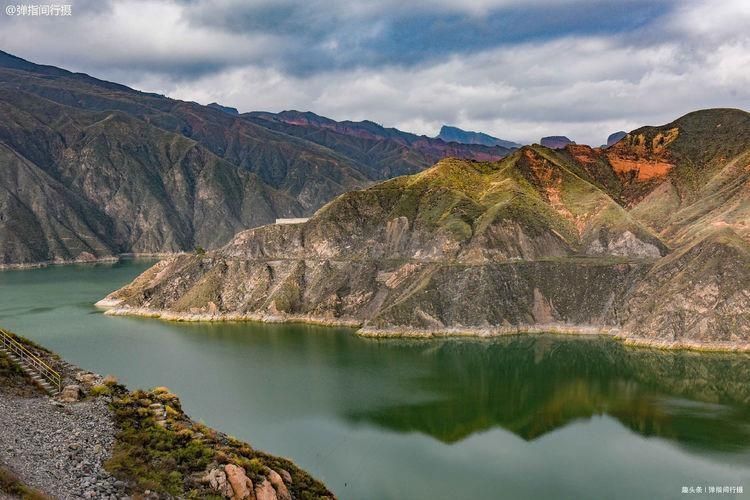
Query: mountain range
x,y
92,169
382,152
647,240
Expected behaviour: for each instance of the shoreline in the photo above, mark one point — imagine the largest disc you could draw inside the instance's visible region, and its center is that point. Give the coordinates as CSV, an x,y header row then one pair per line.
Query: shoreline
x,y
362,330
612,332
98,260
113,309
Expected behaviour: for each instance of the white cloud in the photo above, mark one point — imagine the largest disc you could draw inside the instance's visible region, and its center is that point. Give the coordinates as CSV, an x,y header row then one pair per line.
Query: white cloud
x,y
132,35
581,86
585,88
712,19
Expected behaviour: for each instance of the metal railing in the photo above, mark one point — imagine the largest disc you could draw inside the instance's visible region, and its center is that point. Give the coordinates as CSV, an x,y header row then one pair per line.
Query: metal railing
x,y
30,359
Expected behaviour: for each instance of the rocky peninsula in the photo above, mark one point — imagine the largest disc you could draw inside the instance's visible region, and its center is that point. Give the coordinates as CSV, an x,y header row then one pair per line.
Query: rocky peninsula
x,y
646,240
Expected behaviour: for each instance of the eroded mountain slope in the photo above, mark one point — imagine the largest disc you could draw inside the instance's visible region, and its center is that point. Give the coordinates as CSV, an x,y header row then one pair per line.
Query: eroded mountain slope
x,y
464,245
621,240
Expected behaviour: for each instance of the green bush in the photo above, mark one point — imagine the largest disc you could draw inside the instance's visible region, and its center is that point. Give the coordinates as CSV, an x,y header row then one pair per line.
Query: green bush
x,y
100,390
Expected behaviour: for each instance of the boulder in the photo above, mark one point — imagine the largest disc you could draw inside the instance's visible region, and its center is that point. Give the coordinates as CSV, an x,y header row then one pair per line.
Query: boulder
x,y
265,491
287,477
87,378
282,493
242,486
217,480
71,393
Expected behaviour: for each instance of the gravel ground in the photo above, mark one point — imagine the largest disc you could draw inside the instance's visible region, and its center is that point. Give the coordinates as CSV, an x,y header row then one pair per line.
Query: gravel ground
x,y
59,448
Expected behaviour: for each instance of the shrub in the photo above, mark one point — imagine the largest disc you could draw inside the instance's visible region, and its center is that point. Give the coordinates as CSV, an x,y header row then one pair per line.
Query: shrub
x,y
100,390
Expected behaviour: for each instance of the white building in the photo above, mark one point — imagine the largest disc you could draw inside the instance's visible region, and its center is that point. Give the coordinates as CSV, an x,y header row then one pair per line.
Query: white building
x,y
299,220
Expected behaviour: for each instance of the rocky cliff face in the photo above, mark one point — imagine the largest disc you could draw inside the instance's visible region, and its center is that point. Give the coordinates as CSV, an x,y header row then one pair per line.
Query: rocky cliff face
x,y
541,240
91,169
700,294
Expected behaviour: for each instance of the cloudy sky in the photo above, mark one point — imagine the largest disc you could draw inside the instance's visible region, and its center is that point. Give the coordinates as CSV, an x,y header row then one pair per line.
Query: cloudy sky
x,y
515,69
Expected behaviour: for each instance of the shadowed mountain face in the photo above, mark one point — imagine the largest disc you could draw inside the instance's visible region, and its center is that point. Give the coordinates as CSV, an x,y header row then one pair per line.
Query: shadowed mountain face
x,y
455,134
614,137
92,169
572,239
532,386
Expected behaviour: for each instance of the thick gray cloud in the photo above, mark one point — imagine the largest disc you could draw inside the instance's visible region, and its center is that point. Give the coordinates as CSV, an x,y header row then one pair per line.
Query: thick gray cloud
x,y
515,69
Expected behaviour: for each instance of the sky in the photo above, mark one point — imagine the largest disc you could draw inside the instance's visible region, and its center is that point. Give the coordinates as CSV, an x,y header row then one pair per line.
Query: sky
x,y
515,69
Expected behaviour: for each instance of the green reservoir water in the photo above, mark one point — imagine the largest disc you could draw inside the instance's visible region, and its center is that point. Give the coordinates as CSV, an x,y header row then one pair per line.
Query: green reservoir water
x,y
519,417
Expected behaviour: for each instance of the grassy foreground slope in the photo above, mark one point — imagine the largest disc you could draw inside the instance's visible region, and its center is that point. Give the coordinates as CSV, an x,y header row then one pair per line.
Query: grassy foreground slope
x,y
155,450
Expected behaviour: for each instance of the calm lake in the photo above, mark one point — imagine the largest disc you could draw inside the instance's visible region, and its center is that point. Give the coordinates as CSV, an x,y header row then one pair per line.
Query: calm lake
x,y
519,417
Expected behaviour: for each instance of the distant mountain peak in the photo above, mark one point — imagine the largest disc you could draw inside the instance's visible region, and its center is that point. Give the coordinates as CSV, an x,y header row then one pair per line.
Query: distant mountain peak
x,y
615,137
454,134
555,141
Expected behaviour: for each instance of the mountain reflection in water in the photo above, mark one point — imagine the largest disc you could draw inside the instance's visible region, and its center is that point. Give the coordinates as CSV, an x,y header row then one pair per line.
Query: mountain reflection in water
x,y
534,385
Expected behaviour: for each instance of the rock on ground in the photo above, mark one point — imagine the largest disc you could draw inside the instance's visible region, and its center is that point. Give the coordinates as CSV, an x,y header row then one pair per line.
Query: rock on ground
x,y
59,449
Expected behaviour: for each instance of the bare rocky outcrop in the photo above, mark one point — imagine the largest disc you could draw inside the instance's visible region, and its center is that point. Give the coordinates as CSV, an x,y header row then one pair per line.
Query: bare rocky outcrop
x,y
71,393
265,491
282,493
232,482
242,486
217,480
